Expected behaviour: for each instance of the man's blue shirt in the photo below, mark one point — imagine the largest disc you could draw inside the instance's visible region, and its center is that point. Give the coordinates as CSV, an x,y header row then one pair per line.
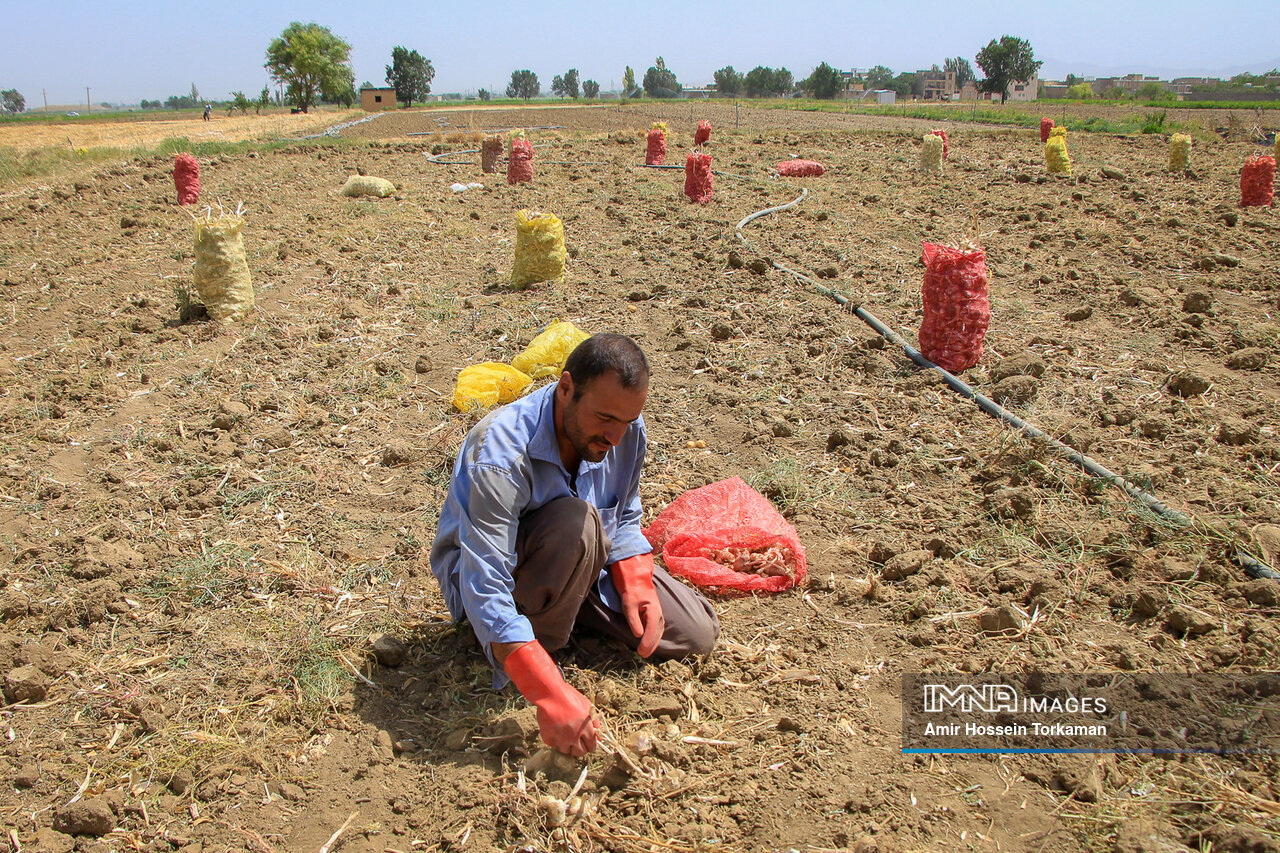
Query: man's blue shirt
x,y
509,465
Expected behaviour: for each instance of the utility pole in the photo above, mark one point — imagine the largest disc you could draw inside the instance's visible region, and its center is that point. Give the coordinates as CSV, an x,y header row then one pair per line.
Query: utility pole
x,y
88,104
44,93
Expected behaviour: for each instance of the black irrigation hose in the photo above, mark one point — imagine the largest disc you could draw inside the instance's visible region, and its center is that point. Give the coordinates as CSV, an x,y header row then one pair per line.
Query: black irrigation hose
x,y
1252,567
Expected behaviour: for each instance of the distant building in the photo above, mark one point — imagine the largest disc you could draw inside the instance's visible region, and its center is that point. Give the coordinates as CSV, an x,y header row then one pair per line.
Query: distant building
x,y
937,85
880,96
1019,90
373,100
1024,90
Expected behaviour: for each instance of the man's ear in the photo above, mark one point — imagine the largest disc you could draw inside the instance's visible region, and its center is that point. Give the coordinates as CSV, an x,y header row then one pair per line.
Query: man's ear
x,y
565,385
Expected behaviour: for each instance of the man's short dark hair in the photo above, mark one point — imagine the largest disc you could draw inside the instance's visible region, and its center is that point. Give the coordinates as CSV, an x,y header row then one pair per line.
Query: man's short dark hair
x,y
605,353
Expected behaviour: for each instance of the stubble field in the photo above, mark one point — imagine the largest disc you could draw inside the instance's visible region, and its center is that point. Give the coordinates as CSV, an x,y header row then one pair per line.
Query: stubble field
x,y
219,629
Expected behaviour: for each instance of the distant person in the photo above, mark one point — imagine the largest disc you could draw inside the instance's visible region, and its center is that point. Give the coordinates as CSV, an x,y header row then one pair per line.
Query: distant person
x,y
208,109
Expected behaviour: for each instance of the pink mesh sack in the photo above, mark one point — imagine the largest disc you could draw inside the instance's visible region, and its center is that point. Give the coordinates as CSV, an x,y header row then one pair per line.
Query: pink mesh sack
x,y
655,153
703,133
697,177
946,144
956,309
800,168
1257,181
1046,125
186,178
520,162
703,534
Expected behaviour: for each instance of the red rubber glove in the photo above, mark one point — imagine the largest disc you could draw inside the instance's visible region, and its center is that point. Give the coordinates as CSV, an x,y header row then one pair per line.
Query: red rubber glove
x,y
564,714
634,579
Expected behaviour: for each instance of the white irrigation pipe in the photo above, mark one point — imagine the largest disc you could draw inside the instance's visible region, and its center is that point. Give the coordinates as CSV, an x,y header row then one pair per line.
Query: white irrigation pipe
x,y
1252,566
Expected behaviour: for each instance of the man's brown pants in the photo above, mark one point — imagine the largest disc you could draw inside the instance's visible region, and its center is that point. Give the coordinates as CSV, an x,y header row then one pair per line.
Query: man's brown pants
x,y
561,548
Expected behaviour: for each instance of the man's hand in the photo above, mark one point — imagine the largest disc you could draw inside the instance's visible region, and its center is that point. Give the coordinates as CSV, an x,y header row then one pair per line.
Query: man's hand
x,y
564,714
634,579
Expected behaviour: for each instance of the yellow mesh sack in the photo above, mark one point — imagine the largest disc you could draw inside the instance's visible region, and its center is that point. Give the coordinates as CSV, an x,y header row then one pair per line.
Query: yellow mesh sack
x,y
481,386
539,248
511,141
221,271
1179,152
546,354
362,185
1060,130
931,154
1055,155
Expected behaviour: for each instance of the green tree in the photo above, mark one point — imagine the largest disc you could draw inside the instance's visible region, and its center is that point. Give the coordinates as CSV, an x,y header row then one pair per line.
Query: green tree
x,y
264,100
783,82
566,85
312,63
346,95
1073,79
1079,91
628,83
728,81
763,81
906,84
659,82
1005,62
195,94
484,94
963,70
524,84
240,102
1152,91
590,89
878,77
13,100
824,83
410,74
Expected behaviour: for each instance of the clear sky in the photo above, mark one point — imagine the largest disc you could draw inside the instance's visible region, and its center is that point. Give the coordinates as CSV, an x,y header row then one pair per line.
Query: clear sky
x,y
126,51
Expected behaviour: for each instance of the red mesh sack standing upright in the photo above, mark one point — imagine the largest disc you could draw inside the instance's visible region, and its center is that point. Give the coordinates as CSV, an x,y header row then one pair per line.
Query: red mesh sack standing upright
x,y
655,152
186,178
956,309
1257,181
1046,125
946,144
520,162
697,177
703,133
702,532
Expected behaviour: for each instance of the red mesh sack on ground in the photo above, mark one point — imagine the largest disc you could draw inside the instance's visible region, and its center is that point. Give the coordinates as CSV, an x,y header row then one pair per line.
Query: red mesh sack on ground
x,y
956,309
946,144
1046,125
520,162
703,533
1257,181
490,154
186,178
800,168
655,152
697,177
703,133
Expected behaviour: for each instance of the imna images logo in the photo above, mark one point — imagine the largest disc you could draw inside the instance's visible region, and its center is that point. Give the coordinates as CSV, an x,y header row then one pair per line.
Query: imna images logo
x,y
967,698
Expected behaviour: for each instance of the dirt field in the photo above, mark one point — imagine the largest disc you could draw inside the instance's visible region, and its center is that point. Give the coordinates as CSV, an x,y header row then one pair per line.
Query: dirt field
x,y
206,528
83,133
